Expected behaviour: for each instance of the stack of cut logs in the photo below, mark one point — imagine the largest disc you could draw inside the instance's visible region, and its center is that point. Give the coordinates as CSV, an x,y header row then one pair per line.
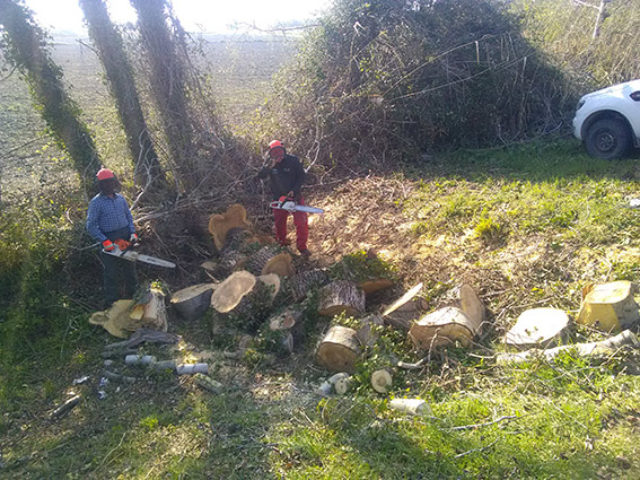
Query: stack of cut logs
x,y
250,268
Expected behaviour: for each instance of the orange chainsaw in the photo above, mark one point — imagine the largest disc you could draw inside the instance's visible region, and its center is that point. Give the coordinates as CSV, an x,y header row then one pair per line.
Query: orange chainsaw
x,y
121,250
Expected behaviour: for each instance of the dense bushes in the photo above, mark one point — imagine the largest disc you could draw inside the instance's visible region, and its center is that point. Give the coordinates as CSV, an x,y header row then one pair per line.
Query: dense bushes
x,y
385,78
564,31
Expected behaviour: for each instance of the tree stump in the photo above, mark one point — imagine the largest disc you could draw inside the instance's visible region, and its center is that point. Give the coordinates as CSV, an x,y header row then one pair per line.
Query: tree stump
x,y
302,283
442,327
220,224
149,312
339,349
192,302
341,296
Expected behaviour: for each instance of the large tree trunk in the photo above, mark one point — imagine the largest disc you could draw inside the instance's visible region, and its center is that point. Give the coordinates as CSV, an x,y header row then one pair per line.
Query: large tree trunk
x,y
271,259
28,52
123,89
168,86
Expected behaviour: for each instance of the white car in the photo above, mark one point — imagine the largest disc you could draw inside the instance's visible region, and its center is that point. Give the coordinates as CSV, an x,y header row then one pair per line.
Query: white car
x,y
608,121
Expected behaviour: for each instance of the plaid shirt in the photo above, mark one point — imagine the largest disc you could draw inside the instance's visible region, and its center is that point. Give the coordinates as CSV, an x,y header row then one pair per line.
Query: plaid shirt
x,y
107,214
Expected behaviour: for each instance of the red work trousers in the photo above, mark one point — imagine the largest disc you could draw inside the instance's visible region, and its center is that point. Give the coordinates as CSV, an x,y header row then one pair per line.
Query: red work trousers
x,y
299,220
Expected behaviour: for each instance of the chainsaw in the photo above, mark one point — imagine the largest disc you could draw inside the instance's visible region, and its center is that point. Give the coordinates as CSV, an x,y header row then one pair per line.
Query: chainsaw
x,y
121,250
288,204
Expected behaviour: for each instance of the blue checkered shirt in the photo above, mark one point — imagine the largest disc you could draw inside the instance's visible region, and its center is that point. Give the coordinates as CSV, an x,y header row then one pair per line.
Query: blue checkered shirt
x,y
107,214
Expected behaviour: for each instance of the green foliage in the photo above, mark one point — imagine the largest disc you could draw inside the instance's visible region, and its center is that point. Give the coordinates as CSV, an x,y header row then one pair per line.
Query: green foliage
x,y
413,77
361,266
489,230
564,33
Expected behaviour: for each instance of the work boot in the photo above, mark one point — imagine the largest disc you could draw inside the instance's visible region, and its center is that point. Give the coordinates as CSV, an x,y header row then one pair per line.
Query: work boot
x,y
305,253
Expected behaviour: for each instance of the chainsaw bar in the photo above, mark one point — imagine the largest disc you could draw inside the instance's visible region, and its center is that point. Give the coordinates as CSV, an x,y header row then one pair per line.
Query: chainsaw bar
x,y
290,206
138,257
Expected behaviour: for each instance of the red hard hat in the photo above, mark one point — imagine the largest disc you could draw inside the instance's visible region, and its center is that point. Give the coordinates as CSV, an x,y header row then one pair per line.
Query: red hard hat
x,y
104,174
275,144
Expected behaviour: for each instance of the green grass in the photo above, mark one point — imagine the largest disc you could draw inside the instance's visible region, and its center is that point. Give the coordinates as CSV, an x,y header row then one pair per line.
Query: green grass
x,y
574,418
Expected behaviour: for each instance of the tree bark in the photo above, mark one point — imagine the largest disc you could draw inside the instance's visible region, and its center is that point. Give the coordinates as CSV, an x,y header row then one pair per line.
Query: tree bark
x,y
29,53
168,86
341,296
442,327
302,283
122,86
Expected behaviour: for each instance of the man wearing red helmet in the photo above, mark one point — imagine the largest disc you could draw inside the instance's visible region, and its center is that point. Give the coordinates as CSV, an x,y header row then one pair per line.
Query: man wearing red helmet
x,y
109,219
286,176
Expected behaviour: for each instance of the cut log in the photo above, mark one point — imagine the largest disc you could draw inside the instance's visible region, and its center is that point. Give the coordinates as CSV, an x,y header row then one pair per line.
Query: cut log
x,y
343,385
66,407
341,296
271,259
116,319
302,283
405,310
155,312
412,406
285,320
246,298
272,281
591,349
442,327
382,379
207,383
220,224
538,327
367,330
375,285
473,308
192,302
339,349
143,335
231,292
609,306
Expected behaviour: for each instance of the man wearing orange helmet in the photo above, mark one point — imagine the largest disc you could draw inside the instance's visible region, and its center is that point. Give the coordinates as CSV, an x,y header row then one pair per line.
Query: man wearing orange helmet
x,y
286,176
109,219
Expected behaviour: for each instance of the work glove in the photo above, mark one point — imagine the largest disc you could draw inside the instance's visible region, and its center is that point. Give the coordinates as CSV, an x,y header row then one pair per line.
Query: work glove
x,y
108,246
134,238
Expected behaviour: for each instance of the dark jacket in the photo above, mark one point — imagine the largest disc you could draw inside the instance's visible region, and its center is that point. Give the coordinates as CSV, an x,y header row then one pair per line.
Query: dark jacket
x,y
285,177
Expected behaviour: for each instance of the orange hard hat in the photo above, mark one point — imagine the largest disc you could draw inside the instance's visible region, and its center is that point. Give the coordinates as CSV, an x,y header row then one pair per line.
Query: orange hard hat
x,y
105,174
275,144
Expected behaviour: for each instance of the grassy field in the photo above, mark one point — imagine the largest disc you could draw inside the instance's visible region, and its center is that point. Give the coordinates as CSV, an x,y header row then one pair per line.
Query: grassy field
x,y
525,226
572,418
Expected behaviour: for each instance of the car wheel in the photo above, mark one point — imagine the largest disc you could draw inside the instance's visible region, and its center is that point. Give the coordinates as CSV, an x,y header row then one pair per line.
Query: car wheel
x,y
608,139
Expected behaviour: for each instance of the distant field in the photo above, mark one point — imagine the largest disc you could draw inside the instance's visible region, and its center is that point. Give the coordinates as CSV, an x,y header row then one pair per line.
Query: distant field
x,y
240,71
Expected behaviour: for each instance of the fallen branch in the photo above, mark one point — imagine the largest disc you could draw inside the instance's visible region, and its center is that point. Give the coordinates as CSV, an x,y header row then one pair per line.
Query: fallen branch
x,y
473,450
604,347
486,424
